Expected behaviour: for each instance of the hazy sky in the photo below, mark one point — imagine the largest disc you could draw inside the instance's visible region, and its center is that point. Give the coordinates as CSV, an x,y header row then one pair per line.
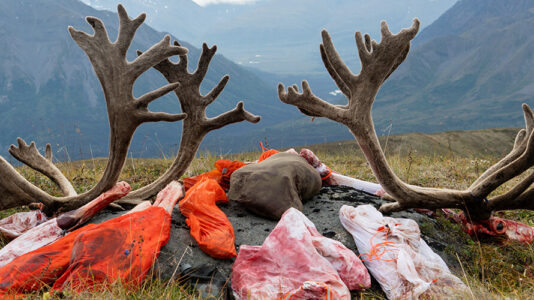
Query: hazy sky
x,y
207,2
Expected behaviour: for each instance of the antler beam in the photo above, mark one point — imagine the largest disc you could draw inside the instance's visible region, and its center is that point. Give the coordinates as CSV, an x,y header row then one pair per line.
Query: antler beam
x,y
194,104
117,76
379,61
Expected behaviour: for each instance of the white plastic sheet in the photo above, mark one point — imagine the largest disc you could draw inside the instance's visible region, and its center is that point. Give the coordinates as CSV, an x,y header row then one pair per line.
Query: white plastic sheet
x,y
403,263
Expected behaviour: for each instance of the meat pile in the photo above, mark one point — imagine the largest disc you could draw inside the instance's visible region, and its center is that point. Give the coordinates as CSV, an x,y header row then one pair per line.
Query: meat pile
x,y
296,260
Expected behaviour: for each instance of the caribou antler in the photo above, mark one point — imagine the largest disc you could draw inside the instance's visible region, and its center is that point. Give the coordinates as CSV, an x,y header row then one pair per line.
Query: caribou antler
x,y
126,113
194,104
378,61
30,156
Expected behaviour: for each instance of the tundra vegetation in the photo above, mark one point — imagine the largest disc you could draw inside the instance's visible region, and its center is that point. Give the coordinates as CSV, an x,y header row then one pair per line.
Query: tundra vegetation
x,y
491,269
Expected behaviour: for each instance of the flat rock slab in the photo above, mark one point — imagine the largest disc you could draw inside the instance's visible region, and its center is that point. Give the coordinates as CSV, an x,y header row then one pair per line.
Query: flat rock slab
x,y
182,256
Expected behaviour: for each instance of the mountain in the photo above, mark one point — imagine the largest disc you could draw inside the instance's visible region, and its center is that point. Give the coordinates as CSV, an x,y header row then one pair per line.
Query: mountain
x,y
279,36
472,68
49,92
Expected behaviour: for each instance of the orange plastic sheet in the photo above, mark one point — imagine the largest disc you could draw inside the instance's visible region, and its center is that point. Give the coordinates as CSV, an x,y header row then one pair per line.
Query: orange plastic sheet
x,y
209,225
94,256
221,174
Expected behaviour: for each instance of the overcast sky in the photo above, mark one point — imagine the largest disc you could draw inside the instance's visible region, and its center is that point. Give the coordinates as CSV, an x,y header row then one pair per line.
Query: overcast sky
x,y
207,2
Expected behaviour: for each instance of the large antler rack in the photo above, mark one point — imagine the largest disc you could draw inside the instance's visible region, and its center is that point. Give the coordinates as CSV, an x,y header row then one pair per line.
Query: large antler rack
x,y
117,76
194,104
378,61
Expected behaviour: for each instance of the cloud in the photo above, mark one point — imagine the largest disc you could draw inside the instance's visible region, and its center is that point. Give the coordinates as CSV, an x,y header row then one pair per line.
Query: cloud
x,y
335,93
208,2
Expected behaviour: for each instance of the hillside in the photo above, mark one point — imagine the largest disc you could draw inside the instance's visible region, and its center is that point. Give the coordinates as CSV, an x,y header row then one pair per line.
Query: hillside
x,y
49,93
469,143
472,68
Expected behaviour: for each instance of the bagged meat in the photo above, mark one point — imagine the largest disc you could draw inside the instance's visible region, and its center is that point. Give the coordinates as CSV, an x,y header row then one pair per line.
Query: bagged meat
x,y
123,248
297,262
209,225
97,255
270,187
397,257
13,226
53,229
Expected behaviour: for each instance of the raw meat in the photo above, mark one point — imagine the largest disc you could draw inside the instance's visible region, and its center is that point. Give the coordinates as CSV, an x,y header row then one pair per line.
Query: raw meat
x,y
494,226
297,260
397,257
16,224
330,177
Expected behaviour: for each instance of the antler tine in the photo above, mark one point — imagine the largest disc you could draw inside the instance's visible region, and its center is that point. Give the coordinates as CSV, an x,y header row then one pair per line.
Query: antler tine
x,y
48,152
30,156
216,91
204,62
507,172
377,62
337,79
235,115
310,104
511,198
148,116
173,72
520,145
155,55
153,95
523,201
368,43
335,60
183,59
529,118
127,29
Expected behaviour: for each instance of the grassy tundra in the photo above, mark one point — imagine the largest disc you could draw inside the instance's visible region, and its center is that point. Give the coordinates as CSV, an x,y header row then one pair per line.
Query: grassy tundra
x,y
445,160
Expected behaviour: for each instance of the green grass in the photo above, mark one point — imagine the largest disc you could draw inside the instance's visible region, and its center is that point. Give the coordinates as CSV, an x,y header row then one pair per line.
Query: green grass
x,y
491,269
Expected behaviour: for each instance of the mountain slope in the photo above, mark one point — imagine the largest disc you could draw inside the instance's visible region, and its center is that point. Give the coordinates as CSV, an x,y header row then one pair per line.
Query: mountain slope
x,y
472,68
49,93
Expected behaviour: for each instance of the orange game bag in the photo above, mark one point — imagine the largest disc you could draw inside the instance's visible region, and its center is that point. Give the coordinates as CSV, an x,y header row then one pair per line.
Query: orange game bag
x,y
97,255
222,172
209,225
123,248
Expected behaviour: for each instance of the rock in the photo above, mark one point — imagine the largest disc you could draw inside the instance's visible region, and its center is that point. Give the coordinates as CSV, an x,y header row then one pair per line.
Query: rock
x,y
181,256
